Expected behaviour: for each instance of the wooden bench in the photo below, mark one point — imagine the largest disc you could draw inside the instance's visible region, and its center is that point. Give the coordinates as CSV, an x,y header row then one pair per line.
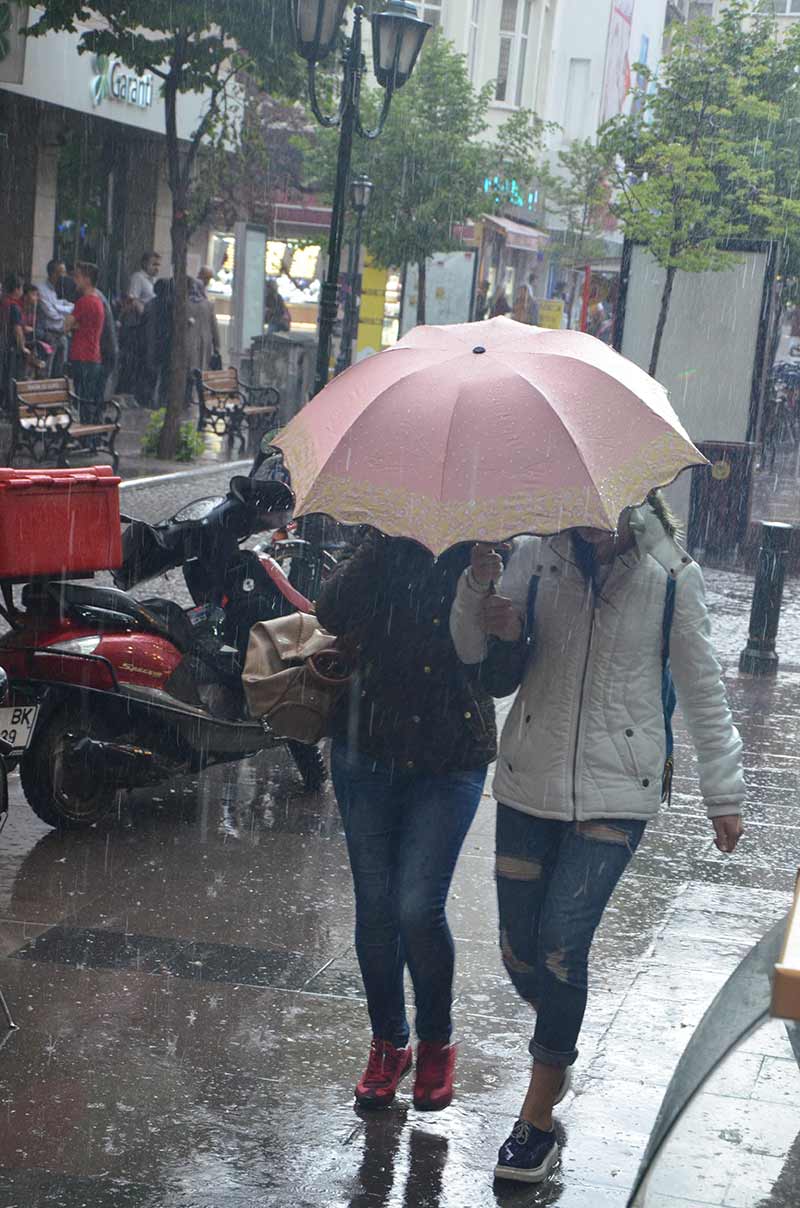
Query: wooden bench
x,y
228,406
46,424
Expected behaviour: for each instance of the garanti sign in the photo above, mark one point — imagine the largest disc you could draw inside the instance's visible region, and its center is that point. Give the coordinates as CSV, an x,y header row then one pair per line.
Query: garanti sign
x,y
113,81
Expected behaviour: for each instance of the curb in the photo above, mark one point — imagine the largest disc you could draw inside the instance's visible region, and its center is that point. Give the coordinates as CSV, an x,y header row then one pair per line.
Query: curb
x,y
181,475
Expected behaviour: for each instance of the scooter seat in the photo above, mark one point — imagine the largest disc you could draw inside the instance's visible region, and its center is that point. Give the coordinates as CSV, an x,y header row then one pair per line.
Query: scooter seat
x,y
163,617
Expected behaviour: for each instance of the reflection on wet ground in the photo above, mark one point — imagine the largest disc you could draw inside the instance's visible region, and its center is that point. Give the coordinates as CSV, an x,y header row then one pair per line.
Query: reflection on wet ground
x,y
192,1019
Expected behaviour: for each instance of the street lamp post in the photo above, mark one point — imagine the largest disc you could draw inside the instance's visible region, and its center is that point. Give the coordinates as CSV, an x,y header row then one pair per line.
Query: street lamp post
x,y
360,191
397,38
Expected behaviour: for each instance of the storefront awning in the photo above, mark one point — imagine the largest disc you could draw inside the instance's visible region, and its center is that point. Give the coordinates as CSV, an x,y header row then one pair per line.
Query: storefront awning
x,y
518,237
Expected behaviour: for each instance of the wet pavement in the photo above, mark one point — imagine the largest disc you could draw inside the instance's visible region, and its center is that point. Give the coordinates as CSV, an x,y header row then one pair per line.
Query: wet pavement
x,y
192,1020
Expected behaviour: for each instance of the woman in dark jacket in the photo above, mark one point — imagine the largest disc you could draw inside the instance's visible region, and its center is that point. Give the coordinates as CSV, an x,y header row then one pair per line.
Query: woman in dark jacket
x,y
411,747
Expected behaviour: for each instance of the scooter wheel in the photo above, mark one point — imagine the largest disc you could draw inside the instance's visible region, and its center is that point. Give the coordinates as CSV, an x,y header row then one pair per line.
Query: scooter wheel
x,y
310,764
61,798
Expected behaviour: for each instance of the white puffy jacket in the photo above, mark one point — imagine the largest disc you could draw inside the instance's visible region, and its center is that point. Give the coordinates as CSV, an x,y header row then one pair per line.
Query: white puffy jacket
x,y
585,737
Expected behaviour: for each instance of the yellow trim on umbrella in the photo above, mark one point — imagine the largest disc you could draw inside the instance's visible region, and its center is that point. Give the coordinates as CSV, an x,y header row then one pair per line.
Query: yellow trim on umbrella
x,y
440,525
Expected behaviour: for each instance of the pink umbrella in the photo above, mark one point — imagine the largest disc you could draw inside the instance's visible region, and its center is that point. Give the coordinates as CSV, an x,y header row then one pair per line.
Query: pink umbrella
x,y
481,431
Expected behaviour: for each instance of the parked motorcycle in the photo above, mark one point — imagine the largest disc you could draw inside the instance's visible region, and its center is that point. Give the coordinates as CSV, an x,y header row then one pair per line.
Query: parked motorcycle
x,y
133,692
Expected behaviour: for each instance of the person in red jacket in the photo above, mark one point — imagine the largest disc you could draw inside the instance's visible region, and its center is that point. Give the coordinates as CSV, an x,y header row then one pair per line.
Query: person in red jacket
x,y
85,326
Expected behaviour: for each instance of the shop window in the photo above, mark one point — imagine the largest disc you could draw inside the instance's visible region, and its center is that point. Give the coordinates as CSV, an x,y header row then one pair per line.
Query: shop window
x,y
787,8
433,12
515,20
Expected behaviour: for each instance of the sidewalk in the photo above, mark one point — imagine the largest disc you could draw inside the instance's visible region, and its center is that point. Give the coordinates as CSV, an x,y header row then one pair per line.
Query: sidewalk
x,y
193,1019
134,464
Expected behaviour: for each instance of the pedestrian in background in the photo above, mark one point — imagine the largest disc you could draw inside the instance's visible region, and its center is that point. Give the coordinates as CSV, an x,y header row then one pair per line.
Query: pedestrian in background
x,y
85,328
526,308
54,311
136,372
12,334
109,348
38,352
276,313
142,285
501,304
582,768
482,301
409,759
203,338
158,340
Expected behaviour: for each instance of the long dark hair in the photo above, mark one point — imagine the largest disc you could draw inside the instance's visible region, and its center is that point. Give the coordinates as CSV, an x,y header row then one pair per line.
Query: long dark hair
x,y
584,551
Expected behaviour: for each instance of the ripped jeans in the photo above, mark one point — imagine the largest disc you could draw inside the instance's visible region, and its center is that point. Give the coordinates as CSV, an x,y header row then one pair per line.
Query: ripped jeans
x,y
554,880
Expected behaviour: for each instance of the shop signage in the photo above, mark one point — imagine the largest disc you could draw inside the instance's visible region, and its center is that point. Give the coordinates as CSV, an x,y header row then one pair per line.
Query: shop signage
x,y
113,81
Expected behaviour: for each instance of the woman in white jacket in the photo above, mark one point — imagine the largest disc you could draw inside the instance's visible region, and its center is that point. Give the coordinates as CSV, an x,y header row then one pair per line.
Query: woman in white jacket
x,y
582,757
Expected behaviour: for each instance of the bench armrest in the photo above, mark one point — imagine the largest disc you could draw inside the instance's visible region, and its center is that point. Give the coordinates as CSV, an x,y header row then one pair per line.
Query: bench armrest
x,y
267,396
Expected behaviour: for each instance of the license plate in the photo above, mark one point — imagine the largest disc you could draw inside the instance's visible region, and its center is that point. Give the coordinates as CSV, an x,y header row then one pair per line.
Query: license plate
x,y
16,726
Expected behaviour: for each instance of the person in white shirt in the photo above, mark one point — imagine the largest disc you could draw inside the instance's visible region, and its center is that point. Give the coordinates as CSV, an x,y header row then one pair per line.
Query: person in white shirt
x,y
53,309
142,286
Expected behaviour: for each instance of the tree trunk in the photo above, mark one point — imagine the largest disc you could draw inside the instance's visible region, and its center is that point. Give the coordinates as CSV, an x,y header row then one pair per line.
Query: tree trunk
x,y
422,290
168,441
662,320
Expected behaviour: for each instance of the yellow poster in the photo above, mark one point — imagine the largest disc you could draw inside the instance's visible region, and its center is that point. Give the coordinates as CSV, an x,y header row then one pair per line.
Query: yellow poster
x,y
551,313
373,298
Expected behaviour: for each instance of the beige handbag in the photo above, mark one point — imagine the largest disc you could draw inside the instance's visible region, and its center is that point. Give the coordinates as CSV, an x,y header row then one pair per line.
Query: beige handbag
x,y
294,674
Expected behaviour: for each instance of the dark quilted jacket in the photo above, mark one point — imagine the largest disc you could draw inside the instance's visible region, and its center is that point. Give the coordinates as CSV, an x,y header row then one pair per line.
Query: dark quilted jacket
x,y
413,705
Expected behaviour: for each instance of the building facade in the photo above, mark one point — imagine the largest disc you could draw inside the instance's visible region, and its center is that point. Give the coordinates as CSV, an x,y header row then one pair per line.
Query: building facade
x,y
573,63
569,60
82,159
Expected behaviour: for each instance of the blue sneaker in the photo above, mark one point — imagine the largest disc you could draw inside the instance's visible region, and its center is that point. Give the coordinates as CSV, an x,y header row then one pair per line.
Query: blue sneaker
x,y
528,1155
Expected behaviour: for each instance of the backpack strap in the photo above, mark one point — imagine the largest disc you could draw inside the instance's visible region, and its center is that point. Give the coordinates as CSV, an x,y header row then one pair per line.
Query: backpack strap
x,y
530,610
669,616
668,697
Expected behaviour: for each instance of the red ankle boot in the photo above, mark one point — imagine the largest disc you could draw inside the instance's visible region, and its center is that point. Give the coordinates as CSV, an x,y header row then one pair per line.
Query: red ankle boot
x,y
436,1066
386,1066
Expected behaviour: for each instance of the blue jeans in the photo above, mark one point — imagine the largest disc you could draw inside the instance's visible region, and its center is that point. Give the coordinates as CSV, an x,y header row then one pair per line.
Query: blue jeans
x,y
88,380
404,834
554,880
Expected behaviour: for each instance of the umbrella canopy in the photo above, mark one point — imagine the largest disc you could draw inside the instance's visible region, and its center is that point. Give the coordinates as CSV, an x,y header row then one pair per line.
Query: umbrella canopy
x,y
482,431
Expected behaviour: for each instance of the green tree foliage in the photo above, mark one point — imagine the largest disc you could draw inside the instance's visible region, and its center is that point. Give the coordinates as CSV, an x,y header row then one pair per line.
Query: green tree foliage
x,y
580,195
192,47
515,161
431,164
428,166
696,158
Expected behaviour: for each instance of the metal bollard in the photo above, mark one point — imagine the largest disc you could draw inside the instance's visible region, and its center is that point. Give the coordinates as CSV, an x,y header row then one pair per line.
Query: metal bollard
x,y
759,656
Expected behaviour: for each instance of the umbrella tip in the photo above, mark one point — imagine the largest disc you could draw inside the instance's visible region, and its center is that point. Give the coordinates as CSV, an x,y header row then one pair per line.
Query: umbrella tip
x,y
479,348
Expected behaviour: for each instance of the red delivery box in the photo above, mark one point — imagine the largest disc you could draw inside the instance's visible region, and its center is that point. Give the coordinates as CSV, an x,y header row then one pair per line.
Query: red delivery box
x,y
59,522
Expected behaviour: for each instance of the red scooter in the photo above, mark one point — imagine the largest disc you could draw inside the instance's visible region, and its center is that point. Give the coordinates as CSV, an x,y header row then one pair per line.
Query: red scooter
x,y
133,692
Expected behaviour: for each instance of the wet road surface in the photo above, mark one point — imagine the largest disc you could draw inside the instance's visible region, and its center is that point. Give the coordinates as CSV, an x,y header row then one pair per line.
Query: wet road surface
x,y
192,1020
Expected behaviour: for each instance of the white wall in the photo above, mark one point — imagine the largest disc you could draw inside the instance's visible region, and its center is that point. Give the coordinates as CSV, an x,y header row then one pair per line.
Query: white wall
x,y
709,346
559,31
